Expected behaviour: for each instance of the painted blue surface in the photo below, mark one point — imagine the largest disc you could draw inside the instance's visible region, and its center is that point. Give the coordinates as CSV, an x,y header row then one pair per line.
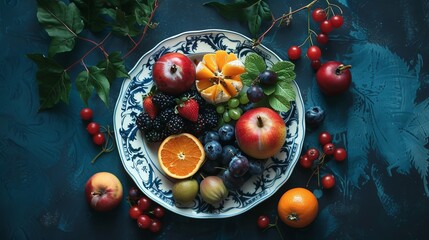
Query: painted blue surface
x,y
382,189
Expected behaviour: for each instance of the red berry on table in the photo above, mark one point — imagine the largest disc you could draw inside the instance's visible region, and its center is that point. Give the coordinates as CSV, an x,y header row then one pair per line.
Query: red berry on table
x,y
340,154
134,212
263,221
294,53
144,203
144,221
305,162
99,139
189,109
314,53
315,64
86,114
155,226
150,107
324,138
158,212
328,181
93,128
318,15
322,38
329,149
336,21
326,26
312,154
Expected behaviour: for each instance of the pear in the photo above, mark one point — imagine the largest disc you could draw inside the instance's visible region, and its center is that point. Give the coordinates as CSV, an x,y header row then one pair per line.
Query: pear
x,y
185,191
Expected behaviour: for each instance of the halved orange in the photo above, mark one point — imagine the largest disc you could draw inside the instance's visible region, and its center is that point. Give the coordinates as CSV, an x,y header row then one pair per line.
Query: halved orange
x,y
180,156
218,76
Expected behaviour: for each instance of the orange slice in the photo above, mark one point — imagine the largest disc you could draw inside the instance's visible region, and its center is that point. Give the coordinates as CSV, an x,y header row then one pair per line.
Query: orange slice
x,y
180,156
218,76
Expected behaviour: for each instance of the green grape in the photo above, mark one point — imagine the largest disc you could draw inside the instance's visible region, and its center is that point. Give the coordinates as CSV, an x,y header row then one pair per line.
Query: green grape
x,y
234,113
244,99
233,102
220,109
226,117
240,110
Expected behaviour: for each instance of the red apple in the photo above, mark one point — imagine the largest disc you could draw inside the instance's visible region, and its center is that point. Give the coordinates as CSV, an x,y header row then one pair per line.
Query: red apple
x,y
260,132
334,78
174,73
103,191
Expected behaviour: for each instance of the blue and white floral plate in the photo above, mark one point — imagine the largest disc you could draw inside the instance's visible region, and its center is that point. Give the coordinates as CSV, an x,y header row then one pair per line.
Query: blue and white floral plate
x,y
140,158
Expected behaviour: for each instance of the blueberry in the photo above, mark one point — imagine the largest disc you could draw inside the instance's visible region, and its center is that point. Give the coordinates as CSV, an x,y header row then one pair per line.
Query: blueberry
x,y
255,94
226,133
256,167
228,152
314,116
211,136
213,150
268,77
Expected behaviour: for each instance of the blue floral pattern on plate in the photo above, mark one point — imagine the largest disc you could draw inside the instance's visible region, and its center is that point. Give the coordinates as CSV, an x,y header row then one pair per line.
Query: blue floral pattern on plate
x,y
139,158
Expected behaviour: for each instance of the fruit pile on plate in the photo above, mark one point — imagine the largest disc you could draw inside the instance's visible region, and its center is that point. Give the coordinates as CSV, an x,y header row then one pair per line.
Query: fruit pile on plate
x,y
213,131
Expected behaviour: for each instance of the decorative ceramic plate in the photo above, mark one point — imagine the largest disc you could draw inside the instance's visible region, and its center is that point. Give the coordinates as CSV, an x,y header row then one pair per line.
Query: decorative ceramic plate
x,y
140,158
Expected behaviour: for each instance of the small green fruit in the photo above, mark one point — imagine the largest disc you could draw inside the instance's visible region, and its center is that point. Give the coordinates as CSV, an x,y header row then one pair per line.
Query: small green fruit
x,y
185,191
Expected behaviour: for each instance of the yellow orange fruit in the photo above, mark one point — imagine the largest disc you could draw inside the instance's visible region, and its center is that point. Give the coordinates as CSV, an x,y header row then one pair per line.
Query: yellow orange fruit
x,y
218,76
180,156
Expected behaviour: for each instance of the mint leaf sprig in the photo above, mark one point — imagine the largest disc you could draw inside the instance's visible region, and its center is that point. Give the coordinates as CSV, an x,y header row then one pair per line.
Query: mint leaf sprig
x,y
277,96
65,24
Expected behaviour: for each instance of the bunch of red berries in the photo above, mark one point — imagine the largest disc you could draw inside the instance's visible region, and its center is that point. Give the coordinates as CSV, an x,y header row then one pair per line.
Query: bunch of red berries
x,y
326,25
101,136
141,211
312,158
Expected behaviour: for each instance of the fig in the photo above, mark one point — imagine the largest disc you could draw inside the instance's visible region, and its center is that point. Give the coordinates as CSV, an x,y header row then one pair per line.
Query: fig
x,y
213,190
185,191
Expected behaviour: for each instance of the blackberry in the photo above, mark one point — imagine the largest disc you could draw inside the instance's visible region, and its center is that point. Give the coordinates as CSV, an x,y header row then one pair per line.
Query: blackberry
x,y
200,126
210,117
157,125
144,122
163,101
175,125
165,115
153,136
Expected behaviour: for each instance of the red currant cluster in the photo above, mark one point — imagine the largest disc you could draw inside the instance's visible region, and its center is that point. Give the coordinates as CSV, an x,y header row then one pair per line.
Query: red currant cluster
x,y
141,211
326,25
313,159
97,132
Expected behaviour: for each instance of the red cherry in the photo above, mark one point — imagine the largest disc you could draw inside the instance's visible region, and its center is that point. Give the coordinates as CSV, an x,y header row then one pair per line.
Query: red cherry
x,y
99,139
134,212
336,21
318,15
329,149
340,154
144,203
263,221
314,53
312,154
144,221
326,26
324,138
305,162
328,181
155,226
316,64
158,212
86,114
322,38
93,128
294,52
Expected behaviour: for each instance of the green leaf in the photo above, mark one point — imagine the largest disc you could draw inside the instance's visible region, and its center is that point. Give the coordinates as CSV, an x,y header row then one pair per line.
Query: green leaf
x,y
251,11
91,13
125,24
113,66
285,71
92,79
62,22
282,96
54,83
59,45
254,64
247,78
270,89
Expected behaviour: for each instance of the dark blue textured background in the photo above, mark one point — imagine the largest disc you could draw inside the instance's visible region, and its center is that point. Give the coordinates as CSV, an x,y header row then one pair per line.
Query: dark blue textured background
x,y
382,189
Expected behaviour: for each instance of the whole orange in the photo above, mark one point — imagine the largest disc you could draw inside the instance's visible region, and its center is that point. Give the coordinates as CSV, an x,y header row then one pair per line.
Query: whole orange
x,y
298,207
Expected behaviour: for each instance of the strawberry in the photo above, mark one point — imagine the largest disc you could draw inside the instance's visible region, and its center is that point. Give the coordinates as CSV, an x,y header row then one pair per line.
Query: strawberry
x,y
189,109
149,107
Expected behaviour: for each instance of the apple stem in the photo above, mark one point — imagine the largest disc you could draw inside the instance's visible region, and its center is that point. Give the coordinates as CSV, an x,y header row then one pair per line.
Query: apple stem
x,y
173,69
341,68
260,122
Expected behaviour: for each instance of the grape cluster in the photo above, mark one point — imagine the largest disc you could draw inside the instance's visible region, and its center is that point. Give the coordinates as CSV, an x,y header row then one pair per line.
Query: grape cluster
x,y
231,110
223,158
141,211
167,122
312,158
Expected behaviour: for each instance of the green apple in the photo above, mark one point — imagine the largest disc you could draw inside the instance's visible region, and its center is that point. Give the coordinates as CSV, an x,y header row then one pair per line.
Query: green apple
x,y
185,191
